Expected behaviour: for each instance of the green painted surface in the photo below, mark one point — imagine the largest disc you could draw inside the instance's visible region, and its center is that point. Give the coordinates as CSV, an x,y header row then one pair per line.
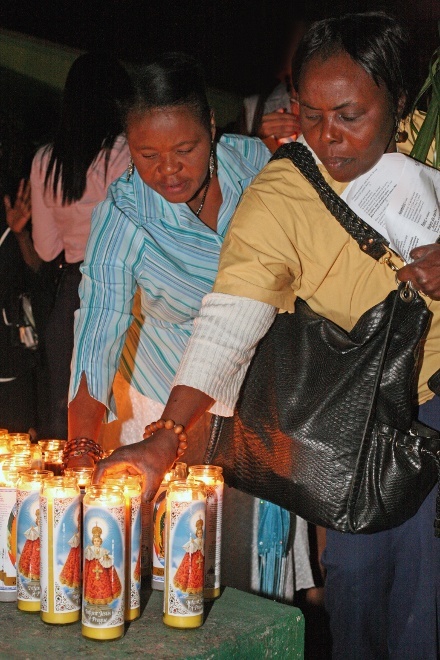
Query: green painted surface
x,y
238,626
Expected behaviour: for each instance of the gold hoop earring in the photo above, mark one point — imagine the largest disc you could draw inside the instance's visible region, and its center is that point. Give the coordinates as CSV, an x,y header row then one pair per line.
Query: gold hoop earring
x,y
211,161
130,169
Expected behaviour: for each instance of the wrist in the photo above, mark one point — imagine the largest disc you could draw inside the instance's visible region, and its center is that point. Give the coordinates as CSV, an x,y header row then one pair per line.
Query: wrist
x,y
169,429
22,235
80,448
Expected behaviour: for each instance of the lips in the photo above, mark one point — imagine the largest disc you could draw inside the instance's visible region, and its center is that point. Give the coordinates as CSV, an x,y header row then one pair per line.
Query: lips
x,y
173,188
335,162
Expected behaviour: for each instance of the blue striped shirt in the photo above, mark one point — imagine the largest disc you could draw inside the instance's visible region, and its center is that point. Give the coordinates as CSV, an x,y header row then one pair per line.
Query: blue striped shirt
x,y
141,243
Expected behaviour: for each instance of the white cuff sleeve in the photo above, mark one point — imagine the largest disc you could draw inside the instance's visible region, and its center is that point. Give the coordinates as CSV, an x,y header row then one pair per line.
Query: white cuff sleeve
x,y
224,339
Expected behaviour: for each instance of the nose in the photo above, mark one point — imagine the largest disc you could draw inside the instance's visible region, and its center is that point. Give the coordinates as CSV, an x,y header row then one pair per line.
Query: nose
x,y
329,131
170,164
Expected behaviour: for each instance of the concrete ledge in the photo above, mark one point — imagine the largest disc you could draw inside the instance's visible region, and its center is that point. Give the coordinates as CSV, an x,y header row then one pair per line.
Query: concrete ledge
x,y
238,626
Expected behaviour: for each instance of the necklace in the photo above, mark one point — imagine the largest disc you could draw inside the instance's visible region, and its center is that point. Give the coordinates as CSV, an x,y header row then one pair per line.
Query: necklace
x,y
202,203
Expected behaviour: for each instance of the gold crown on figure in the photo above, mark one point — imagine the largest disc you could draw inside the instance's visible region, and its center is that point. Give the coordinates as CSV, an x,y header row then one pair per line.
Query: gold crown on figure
x,y
199,524
96,531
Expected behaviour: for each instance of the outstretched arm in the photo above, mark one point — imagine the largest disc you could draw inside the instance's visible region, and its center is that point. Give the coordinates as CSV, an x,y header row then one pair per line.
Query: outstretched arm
x,y
85,417
154,456
17,217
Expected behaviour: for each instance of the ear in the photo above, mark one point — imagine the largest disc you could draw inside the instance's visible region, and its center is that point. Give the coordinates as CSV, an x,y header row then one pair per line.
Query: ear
x,y
213,126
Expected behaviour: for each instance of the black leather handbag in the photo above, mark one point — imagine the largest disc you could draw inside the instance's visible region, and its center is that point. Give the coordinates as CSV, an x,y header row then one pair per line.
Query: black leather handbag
x,y
324,423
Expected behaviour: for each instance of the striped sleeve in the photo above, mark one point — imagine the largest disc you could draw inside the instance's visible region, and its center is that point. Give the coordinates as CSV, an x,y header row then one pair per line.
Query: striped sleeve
x,y
106,292
225,336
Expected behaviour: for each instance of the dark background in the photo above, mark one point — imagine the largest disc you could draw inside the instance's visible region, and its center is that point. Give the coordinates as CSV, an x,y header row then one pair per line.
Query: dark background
x,y
237,40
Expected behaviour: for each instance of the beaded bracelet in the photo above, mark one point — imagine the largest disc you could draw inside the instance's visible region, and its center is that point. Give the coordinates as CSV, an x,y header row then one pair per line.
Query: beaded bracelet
x,y
82,447
169,424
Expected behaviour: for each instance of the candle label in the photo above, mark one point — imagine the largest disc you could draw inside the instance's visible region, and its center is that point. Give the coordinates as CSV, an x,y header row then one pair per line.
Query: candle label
x,y
213,540
103,567
185,561
60,578
135,548
8,539
28,545
146,538
158,549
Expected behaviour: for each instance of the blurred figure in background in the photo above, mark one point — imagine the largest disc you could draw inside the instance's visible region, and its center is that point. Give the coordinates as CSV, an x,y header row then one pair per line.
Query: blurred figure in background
x,y
273,114
20,365
69,177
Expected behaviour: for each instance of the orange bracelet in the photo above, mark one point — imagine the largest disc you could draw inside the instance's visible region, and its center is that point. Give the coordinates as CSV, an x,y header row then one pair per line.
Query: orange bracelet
x,y
169,424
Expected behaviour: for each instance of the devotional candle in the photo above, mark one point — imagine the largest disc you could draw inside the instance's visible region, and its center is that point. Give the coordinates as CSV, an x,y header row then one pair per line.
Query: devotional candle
x,y
60,546
51,444
28,538
103,562
132,489
53,461
8,530
184,554
19,440
4,442
83,475
211,475
179,472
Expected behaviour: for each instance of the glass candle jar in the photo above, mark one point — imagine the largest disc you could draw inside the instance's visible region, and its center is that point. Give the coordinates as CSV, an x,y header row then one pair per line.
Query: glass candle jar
x,y
184,554
53,461
83,475
18,441
178,472
52,443
60,537
132,489
28,538
4,442
104,557
212,477
8,529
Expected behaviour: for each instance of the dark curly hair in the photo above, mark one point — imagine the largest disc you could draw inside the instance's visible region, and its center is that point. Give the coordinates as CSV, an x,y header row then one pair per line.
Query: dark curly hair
x,y
374,40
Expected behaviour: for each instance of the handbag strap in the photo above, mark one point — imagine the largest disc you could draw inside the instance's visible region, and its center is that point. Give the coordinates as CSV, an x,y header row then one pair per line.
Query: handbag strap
x,y
368,239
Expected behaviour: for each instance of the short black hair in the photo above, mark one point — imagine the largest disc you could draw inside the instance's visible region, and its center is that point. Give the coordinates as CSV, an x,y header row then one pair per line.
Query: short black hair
x,y
374,40
172,79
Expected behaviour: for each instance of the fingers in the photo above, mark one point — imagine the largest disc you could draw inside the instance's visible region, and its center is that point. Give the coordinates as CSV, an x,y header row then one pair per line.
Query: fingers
x,y
112,467
279,125
7,201
424,271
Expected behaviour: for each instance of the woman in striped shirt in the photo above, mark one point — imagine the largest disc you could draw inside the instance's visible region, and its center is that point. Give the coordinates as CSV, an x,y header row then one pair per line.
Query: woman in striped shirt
x,y
159,232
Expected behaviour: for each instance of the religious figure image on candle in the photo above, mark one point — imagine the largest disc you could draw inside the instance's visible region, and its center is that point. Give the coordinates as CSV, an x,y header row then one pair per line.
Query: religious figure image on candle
x,y
70,574
29,564
101,581
189,577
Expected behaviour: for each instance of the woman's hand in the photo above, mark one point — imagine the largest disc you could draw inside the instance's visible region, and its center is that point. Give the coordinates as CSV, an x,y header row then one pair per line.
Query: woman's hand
x,y
279,124
424,271
18,216
150,458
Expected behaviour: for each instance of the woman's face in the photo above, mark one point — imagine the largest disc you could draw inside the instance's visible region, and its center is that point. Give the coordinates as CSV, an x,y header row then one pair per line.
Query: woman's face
x,y
346,118
170,149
